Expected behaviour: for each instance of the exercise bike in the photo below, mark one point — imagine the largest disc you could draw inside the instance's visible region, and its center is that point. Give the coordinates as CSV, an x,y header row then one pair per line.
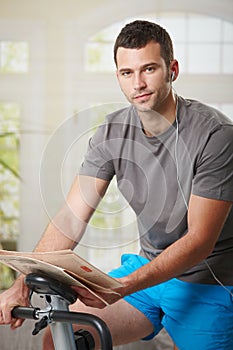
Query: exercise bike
x,y
57,316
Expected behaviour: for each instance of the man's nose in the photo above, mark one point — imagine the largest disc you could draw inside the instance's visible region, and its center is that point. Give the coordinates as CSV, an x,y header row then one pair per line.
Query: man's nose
x,y
139,82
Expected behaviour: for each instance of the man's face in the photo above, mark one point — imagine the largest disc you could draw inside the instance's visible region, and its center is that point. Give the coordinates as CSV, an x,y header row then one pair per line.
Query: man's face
x,y
143,76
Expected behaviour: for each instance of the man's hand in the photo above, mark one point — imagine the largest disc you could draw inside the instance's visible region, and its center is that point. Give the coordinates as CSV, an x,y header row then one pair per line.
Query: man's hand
x,y
90,299
17,295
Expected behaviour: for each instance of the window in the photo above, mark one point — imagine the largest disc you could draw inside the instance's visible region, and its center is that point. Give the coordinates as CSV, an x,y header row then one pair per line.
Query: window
x,y
9,171
9,184
14,57
202,44
226,108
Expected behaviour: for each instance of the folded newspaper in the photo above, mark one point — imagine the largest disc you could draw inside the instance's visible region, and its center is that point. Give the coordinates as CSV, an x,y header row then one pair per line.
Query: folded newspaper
x,y
64,265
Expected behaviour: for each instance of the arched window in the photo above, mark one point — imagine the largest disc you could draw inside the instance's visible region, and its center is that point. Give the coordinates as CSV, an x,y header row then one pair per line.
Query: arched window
x,y
203,45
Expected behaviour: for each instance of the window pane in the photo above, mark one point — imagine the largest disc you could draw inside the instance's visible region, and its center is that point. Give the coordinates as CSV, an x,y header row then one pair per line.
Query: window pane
x,y
204,29
107,34
227,32
227,66
180,55
14,57
204,58
9,168
99,57
175,26
227,109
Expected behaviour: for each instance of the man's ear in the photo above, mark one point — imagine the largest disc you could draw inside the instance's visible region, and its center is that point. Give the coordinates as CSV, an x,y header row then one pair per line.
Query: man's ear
x,y
174,69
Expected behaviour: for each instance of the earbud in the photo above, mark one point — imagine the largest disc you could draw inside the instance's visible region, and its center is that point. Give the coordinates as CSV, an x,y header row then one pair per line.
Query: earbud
x,y
173,76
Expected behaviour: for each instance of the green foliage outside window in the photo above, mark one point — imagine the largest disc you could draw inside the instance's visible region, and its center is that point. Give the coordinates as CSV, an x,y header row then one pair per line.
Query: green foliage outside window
x,y
9,171
14,57
9,182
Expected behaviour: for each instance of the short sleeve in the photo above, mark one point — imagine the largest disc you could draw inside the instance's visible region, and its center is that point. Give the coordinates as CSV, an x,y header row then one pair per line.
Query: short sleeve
x,y
97,162
214,171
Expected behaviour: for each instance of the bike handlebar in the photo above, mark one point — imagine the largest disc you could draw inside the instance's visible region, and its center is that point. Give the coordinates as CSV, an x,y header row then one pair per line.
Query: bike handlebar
x,y
24,312
72,317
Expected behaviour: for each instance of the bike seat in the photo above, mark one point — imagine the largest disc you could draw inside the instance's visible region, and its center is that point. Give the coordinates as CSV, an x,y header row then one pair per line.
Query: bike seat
x,y
42,284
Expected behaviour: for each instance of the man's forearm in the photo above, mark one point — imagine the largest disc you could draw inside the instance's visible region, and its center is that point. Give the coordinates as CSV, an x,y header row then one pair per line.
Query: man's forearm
x,y
172,262
63,232
53,239
68,226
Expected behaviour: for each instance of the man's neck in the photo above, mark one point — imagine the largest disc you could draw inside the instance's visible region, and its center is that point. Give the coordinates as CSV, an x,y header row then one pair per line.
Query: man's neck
x,y
157,122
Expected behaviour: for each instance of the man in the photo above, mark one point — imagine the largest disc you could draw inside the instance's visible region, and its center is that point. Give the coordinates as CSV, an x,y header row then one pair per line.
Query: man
x,y
173,159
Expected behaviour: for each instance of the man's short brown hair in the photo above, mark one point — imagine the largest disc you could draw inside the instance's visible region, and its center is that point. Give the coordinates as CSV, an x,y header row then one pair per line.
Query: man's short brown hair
x,y
138,34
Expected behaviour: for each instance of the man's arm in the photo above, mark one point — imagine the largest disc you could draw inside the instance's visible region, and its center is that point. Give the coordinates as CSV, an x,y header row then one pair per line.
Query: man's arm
x,y
67,227
206,218
63,232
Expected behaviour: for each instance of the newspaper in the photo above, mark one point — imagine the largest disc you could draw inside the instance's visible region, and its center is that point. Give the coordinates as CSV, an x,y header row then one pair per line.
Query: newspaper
x,y
64,265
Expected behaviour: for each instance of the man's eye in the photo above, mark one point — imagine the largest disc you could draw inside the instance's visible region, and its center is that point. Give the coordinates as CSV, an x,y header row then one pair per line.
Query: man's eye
x,y
150,69
125,74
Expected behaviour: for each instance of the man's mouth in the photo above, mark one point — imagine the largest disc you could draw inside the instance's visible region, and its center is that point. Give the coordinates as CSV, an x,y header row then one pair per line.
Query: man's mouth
x,y
143,96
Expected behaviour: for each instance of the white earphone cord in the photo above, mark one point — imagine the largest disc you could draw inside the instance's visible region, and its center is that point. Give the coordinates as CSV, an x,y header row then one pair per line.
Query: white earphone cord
x,y
184,199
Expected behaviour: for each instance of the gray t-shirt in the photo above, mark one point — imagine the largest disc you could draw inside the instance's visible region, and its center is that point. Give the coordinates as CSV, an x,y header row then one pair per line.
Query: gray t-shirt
x,y
156,175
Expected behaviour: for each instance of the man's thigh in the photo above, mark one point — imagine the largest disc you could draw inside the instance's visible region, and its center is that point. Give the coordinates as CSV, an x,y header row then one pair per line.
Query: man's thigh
x,y
125,322
198,316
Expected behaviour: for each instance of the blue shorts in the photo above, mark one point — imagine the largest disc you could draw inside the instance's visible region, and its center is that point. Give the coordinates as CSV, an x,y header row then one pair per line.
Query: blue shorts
x,y
197,316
